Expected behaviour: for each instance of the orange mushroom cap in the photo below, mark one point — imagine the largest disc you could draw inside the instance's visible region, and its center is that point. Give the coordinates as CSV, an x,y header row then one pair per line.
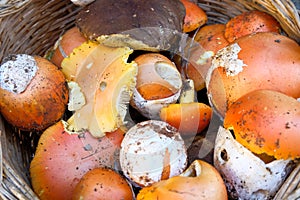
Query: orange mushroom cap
x,y
102,183
211,38
32,109
266,121
71,39
250,22
188,118
61,159
254,62
194,16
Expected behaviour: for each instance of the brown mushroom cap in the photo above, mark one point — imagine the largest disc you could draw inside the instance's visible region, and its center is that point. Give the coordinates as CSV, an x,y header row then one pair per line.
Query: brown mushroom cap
x,y
139,24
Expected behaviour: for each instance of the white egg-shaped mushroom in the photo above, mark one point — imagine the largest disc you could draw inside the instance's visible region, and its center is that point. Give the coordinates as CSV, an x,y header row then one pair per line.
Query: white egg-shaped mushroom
x,y
151,151
159,83
246,175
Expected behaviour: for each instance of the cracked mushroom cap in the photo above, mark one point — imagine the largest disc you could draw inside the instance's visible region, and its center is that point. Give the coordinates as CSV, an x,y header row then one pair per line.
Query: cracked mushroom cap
x,y
139,24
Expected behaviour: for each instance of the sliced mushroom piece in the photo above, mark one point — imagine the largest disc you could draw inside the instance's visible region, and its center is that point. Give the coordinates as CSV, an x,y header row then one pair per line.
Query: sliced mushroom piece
x,y
139,24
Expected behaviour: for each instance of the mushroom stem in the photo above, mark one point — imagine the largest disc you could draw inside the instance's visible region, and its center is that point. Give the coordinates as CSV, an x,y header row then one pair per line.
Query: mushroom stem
x,y
188,94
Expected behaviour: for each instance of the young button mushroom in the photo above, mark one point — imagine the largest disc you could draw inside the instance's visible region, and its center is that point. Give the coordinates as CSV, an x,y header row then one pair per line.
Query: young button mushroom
x,y
152,83
188,116
138,24
31,86
158,83
152,151
200,181
247,176
62,158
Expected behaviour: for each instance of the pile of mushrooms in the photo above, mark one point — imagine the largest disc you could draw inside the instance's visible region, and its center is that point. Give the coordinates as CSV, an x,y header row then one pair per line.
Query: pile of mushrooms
x,y
103,81
131,78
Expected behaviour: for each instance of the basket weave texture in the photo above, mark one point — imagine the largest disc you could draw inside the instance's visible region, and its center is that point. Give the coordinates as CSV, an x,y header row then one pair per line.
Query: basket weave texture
x,y
33,26
8,7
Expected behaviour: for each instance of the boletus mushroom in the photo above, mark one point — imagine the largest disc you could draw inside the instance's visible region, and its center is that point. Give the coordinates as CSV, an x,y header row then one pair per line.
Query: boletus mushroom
x,y
139,24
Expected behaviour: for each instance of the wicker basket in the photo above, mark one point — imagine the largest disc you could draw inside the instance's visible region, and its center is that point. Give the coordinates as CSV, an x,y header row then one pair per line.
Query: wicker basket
x,y
11,6
32,27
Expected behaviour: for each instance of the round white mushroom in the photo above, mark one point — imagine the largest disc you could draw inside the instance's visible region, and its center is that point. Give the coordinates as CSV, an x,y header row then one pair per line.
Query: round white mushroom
x,y
152,151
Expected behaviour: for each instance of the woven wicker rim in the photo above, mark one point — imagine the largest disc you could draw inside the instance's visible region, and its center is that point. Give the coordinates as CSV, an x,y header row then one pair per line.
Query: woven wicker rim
x,y
33,26
10,7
